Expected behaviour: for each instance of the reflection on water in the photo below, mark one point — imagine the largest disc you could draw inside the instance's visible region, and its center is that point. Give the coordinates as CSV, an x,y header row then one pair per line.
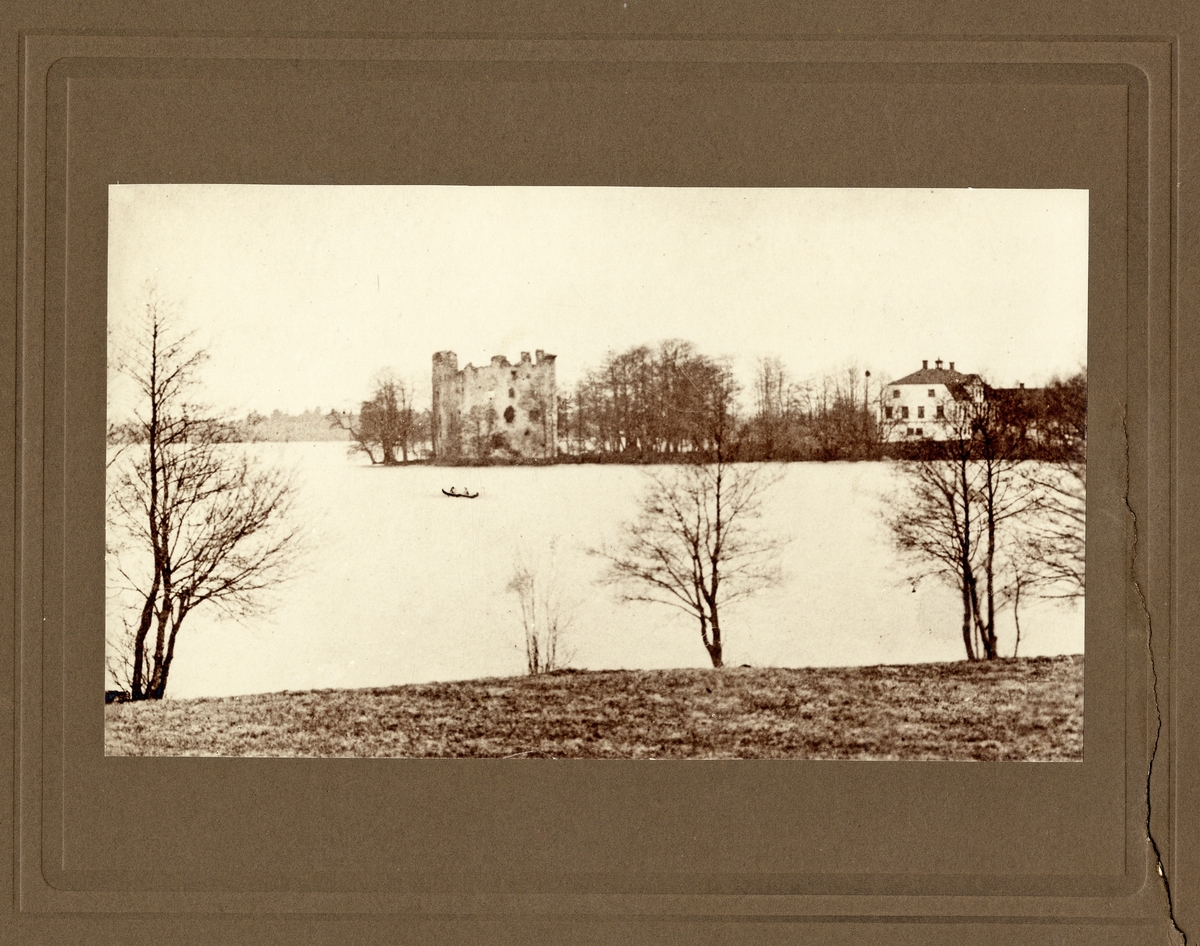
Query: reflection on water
x,y
403,584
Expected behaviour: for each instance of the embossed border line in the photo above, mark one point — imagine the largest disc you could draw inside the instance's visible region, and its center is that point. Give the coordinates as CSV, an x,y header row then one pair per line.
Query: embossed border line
x,y
45,886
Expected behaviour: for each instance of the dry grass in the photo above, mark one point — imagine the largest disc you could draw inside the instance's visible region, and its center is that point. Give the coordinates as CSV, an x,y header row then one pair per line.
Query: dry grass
x,y
1030,708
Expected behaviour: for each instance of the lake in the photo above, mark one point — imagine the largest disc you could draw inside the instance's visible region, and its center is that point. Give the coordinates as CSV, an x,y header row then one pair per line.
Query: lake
x,y
403,585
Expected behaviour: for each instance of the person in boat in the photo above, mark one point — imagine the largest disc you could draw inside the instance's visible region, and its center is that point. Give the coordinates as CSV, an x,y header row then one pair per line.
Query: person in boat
x,y
452,492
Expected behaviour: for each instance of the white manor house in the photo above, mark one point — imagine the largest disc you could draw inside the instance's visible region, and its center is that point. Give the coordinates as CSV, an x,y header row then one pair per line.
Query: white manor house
x,y
927,404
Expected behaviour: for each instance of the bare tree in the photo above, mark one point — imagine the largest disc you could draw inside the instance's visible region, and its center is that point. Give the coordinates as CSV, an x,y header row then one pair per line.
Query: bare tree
x,y
1062,530
694,545
768,428
770,388
199,521
1024,574
935,520
386,423
564,416
545,616
1009,495
962,502
1063,480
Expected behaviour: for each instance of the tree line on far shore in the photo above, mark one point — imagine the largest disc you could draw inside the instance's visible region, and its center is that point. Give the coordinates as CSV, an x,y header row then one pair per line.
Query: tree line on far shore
x,y
655,404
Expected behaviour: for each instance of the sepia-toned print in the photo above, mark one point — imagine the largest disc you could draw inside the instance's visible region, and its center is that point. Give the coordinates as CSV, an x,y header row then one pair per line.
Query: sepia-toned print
x,y
654,473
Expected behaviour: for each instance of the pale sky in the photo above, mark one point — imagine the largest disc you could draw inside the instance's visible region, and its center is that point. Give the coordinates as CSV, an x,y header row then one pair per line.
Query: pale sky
x,y
303,293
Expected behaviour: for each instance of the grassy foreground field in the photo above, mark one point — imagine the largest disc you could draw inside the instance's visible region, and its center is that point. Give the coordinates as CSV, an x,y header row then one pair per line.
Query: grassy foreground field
x,y
1029,708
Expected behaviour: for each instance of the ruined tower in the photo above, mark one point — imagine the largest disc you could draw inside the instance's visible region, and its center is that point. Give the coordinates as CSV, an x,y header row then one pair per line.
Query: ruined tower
x,y
499,411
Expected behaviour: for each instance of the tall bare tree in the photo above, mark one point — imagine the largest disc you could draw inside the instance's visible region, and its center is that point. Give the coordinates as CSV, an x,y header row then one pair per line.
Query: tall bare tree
x,y
1062,530
199,521
695,544
1024,576
1061,536
935,519
384,424
1009,495
964,505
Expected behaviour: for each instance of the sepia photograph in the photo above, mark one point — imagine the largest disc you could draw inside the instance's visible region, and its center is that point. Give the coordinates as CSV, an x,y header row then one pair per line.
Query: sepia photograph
x,y
596,472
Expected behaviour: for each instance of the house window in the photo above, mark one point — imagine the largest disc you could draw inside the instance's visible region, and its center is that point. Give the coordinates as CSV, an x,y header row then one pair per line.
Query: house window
x,y
920,432
921,411
514,376
509,414
896,392
909,431
887,412
941,412
904,413
535,415
512,393
931,392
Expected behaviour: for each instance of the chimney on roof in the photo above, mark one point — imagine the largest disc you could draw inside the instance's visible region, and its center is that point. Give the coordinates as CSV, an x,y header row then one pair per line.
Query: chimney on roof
x,y
951,366
939,364
1021,385
925,365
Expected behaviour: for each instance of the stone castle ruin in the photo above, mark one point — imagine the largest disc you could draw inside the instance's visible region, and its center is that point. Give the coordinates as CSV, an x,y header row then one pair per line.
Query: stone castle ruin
x,y
500,411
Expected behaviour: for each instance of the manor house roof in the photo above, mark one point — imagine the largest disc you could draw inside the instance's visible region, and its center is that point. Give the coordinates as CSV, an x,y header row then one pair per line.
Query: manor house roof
x,y
956,382
946,376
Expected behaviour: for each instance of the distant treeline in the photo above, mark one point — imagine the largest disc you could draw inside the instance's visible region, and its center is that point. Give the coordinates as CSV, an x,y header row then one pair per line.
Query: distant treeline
x,y
644,405
651,404
304,427
647,404
307,426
